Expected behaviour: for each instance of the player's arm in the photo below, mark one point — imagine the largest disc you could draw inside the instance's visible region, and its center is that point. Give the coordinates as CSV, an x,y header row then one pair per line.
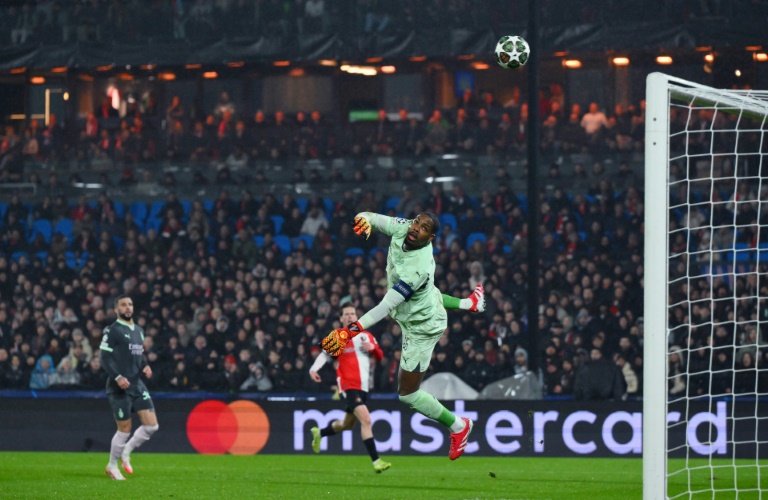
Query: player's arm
x,y
474,303
108,360
367,222
320,361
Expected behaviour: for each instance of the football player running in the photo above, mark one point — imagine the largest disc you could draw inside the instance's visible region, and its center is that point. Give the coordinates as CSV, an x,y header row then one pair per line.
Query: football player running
x,y
419,307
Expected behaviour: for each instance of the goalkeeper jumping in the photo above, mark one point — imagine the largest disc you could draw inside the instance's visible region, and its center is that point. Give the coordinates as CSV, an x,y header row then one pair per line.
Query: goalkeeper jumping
x,y
419,307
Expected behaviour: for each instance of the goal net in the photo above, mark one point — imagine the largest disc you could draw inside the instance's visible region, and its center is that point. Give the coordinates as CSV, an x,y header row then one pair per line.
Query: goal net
x,y
705,398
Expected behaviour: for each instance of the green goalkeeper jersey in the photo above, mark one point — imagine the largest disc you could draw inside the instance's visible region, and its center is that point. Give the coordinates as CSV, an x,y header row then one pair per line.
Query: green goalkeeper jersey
x,y
412,273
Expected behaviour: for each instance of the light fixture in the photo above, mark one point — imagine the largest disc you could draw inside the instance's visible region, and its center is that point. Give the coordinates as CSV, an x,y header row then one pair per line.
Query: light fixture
x,y
37,80
281,63
210,75
59,69
561,53
664,60
373,60
760,56
418,58
466,57
106,67
753,48
148,67
193,66
737,72
709,58
328,62
479,65
388,69
167,76
18,71
297,72
236,64
85,78
621,61
65,95
572,63
126,77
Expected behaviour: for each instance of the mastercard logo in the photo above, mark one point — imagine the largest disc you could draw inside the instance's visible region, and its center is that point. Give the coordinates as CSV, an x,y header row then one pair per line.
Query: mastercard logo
x,y
240,427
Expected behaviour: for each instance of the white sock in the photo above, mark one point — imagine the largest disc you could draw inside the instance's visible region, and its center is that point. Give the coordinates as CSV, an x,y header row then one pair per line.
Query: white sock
x,y
140,437
118,443
458,425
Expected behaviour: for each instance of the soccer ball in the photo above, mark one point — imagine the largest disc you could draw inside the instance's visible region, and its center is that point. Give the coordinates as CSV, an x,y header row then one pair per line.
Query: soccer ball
x,y
512,52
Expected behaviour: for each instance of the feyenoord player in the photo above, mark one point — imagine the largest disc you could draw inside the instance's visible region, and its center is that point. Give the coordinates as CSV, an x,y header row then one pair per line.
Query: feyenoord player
x,y
122,356
419,307
352,377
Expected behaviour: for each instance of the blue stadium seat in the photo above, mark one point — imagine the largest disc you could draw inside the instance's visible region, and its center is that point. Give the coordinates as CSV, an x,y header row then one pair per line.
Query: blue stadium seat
x,y
259,240
473,237
3,209
278,220
119,242
119,209
307,238
391,204
43,227
329,206
762,255
139,211
283,243
355,252
42,256
70,259
64,226
302,203
153,223
18,255
208,206
187,205
449,220
156,209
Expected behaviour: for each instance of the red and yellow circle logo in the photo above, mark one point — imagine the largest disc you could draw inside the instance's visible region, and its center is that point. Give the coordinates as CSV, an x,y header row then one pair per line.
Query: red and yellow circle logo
x,y
240,427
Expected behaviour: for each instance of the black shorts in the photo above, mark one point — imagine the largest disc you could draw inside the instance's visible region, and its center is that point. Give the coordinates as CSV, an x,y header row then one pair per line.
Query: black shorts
x,y
126,402
354,398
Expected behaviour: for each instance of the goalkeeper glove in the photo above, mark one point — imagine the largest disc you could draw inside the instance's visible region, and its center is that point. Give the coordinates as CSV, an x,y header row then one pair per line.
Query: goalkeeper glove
x,y
362,227
336,341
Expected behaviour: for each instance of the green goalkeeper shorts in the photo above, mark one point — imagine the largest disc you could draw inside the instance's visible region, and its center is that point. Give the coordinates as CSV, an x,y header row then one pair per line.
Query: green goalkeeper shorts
x,y
419,340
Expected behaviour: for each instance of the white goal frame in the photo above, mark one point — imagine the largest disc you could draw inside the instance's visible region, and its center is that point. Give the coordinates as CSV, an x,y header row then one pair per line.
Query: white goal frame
x,y
659,89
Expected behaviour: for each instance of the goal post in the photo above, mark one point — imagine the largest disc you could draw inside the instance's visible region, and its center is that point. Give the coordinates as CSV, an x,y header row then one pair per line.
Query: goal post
x,y
705,292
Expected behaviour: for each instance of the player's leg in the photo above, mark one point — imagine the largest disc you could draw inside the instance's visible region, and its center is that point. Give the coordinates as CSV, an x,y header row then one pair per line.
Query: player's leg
x,y
362,414
414,361
145,409
333,428
121,411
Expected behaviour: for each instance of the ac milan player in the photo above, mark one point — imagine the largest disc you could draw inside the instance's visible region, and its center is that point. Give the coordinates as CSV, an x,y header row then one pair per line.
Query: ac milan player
x,y
352,376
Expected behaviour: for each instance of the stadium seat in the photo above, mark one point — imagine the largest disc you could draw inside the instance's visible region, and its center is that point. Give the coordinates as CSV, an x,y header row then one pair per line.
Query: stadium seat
x,y
208,206
41,226
391,204
3,209
278,220
156,209
259,240
119,242
328,208
153,223
71,259
762,255
283,243
43,256
187,205
18,255
448,220
473,237
139,211
64,226
355,252
302,203
119,209
307,238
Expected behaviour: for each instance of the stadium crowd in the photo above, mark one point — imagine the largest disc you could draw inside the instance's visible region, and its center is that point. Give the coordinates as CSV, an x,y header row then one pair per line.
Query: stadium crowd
x,y
236,292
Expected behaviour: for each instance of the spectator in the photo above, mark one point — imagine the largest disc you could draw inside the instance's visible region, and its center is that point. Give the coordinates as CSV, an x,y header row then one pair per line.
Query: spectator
x,y
598,379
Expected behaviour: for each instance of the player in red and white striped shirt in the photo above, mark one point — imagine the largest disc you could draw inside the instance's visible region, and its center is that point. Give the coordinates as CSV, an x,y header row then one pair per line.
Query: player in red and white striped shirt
x,y
353,374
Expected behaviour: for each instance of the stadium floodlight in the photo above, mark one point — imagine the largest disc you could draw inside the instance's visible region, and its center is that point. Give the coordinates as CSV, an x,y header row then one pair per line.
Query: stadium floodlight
x,y
705,434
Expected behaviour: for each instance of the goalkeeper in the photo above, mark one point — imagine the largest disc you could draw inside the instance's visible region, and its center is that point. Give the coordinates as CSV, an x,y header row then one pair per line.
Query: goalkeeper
x,y
417,305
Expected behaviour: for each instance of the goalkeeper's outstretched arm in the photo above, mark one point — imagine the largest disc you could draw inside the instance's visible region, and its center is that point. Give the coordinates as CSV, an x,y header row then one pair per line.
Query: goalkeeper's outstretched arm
x,y
474,303
379,223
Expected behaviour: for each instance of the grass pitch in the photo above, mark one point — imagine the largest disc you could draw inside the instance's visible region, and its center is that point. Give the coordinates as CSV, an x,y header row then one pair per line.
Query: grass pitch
x,y
81,475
